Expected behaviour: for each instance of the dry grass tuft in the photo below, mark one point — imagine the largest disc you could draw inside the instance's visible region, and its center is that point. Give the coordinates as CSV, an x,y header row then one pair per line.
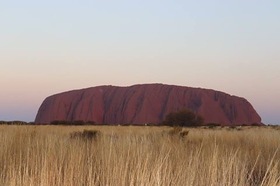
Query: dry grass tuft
x,y
86,135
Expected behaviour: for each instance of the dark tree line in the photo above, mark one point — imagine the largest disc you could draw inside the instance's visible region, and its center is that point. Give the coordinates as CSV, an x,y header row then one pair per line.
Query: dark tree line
x,y
15,123
76,122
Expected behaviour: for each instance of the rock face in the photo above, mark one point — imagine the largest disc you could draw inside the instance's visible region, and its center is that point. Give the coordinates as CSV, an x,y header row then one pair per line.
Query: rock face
x,y
149,103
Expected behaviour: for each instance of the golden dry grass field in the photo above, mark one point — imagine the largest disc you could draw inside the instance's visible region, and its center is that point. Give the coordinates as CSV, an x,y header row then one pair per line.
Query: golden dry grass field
x,y
148,156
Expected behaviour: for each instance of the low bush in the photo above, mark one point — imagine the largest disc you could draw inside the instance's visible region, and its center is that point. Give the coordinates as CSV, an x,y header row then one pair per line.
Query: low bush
x,y
86,135
183,118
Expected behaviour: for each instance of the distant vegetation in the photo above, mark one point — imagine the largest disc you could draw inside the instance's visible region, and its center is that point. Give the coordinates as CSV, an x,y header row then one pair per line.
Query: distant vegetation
x,y
183,118
76,122
15,123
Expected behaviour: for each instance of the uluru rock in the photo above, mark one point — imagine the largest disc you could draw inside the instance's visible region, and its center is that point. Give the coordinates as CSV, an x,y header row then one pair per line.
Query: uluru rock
x,y
148,103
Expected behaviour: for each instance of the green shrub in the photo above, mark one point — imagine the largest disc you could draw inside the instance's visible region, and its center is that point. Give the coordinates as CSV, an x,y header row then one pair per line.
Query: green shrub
x,y
183,118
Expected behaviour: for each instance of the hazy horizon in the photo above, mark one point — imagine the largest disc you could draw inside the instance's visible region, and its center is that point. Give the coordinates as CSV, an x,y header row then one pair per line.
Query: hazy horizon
x,y
56,46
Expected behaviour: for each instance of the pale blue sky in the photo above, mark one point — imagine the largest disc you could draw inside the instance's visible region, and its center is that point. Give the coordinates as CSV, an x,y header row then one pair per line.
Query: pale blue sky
x,y
54,46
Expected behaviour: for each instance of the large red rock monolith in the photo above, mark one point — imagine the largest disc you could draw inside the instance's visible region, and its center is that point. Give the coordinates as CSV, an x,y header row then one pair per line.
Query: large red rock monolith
x,y
148,103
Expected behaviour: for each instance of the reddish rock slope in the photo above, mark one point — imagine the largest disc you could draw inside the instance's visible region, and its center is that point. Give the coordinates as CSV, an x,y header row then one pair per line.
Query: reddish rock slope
x,y
141,104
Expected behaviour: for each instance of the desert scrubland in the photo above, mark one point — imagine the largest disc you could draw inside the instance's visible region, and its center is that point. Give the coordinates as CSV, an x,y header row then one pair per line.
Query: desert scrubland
x,y
130,155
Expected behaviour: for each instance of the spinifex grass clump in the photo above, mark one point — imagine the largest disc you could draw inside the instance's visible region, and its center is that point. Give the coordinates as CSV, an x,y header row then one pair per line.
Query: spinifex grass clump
x,y
86,135
178,131
44,155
